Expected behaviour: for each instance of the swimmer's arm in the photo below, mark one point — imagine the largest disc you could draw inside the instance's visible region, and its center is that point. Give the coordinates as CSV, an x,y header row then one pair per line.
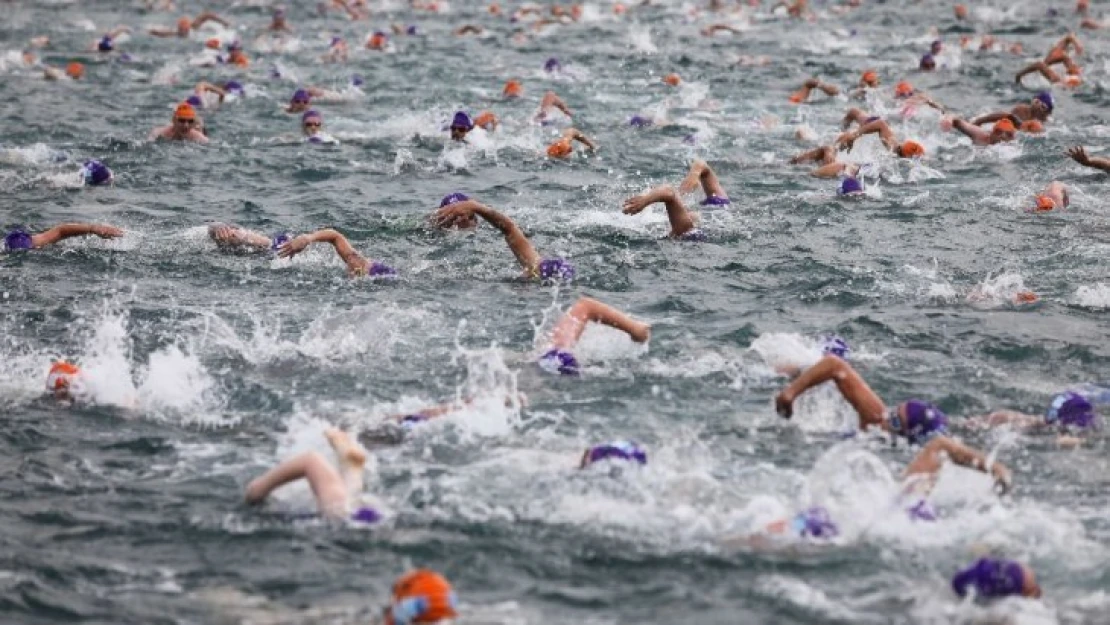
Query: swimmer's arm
x,y
522,248
880,127
119,30
826,154
701,172
832,170
468,29
976,134
1071,39
550,99
224,234
66,231
1079,155
994,117
159,31
570,327
204,86
356,263
851,385
928,460
198,136
209,16
574,134
826,88
713,29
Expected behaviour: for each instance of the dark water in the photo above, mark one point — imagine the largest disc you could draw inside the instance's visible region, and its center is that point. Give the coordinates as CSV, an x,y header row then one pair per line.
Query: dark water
x,y
134,515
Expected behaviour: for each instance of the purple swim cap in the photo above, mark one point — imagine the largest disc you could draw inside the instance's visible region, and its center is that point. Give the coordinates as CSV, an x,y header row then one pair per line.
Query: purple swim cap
x,y
715,200
195,101
552,65
124,57
850,186
990,578
928,63
922,511
335,40
462,120
694,235
410,420
1070,409
936,46
639,122
923,421
411,30
556,269
616,450
557,360
833,344
381,270
105,44
357,80
233,46
366,515
18,240
309,114
96,173
452,199
232,86
279,239
814,523
690,139
1045,98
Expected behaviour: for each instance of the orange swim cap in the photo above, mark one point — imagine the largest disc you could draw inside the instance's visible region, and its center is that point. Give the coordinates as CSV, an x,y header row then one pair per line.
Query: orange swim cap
x,y
75,70
560,149
672,79
184,24
1032,126
1005,125
377,41
619,8
903,89
513,89
185,111
421,596
1045,203
870,78
212,43
1025,297
61,376
486,120
494,9
795,98
911,149
1072,81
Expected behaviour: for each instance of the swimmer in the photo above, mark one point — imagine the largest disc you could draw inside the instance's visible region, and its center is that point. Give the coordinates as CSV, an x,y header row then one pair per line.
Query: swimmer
x,y
301,99
548,105
337,51
928,63
18,239
400,29
65,381
960,11
512,90
1054,196
336,491
74,70
278,23
357,264
1079,155
905,149
421,596
683,227
96,174
831,345
1069,414
230,238
869,80
620,450
1071,79
558,357
562,147
713,29
185,25
992,578
1002,131
377,41
107,43
461,124
829,164
207,95
1038,109
185,126
802,94
458,210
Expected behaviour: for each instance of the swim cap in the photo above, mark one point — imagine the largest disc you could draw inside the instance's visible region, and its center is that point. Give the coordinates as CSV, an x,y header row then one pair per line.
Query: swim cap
x,y
452,199
96,173
380,270
184,23
357,80
195,101
870,77
639,122
105,44
311,113
1044,204
462,121
61,376
672,79
560,149
300,96
411,420
421,596
814,523
618,450
234,46
694,235
335,40
279,239
850,186
1070,409
990,578
1045,98
212,44
486,120
185,111
936,46
911,149
513,89
314,139
928,63
555,269
903,90
559,361
715,200
366,515
377,40
923,421
1032,126
75,70
18,240
690,139
411,29
1005,125
552,65
836,346
232,86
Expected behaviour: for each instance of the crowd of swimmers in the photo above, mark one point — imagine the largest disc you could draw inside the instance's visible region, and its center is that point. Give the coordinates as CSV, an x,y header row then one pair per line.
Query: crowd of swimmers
x,y
425,596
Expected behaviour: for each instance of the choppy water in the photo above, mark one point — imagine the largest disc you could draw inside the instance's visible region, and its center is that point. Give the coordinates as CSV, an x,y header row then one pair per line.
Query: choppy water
x,y
134,515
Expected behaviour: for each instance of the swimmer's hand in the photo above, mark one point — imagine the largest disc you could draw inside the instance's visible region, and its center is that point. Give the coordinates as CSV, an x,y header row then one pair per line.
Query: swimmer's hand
x,y
459,214
640,332
1003,480
294,246
636,203
1079,155
106,232
847,140
784,405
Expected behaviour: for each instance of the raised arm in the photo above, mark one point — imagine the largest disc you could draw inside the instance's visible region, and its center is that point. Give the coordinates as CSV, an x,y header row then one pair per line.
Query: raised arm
x,y
868,405
1079,155
203,86
880,127
208,16
825,155
522,248
681,221
230,236
574,135
65,231
977,134
701,172
357,264
931,458
569,329
552,100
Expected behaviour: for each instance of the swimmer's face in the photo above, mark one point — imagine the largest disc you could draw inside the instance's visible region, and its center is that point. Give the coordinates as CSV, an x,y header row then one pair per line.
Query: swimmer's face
x,y
1002,135
298,106
183,125
1039,108
458,133
311,126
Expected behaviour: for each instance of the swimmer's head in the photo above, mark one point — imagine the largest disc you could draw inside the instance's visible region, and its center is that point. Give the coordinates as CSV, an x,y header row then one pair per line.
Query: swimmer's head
x,y
672,79
453,198
556,269
1032,127
552,65
850,186
233,87
918,421
184,115
936,46
183,26
75,70
96,173
961,12
300,100
513,89
105,44
615,450
994,578
61,378
1044,100
212,44
1070,410
559,361
311,122
814,523
903,90
911,149
486,120
195,100
637,121
1003,129
560,149
421,596
835,346
357,80
18,240
928,63
377,41
460,125
870,78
